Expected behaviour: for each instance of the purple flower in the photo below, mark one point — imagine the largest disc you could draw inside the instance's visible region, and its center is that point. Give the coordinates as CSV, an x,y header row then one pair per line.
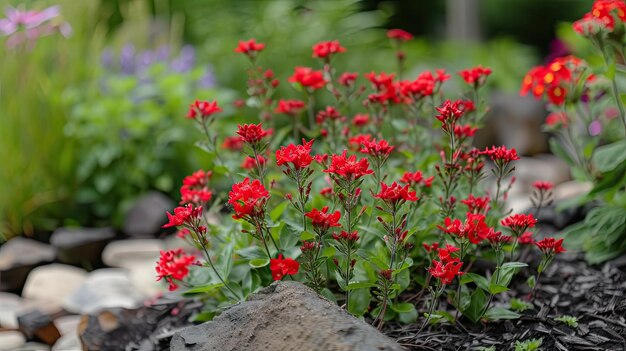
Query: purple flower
x,y
595,128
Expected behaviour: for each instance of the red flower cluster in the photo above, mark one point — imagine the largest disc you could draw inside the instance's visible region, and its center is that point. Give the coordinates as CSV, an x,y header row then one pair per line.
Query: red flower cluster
x,y
252,163
550,246
445,253
475,77
252,133
183,215
348,166
553,80
416,178
195,189
360,119
290,107
249,47
448,267
430,248
376,148
248,199
399,34
387,90
347,79
322,220
326,49
345,236
555,119
426,84
394,194
308,78
501,154
526,238
464,132
518,223
203,109
234,143
495,238
542,185
474,228
297,155
173,265
602,17
355,142
476,204
328,113
449,114
281,267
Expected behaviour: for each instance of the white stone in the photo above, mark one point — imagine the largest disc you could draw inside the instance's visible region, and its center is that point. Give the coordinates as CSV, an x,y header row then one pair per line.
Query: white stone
x,y
10,340
10,305
123,253
53,283
571,189
67,324
69,342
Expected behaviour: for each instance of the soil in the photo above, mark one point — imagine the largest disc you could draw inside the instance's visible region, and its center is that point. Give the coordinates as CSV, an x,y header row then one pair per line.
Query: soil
x,y
596,295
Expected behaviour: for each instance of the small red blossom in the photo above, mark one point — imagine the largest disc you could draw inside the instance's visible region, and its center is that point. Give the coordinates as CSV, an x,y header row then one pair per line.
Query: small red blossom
x,y
252,163
248,198
445,272
543,185
416,178
328,113
526,238
348,166
281,267
290,107
308,78
183,215
476,204
475,77
550,246
495,238
501,154
173,265
603,17
376,148
348,78
204,109
195,188
326,49
555,79
464,132
360,120
355,142
430,248
252,133
297,155
449,114
234,143
555,119
322,220
249,47
395,194
399,34
445,253
518,223
345,236
473,228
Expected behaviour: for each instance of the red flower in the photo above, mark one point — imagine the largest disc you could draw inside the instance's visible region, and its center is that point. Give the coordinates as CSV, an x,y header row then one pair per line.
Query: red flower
x,y
501,154
195,189
495,238
464,132
446,272
308,78
248,199
360,120
326,49
449,114
290,107
526,238
542,185
173,264
589,25
298,155
416,178
234,143
250,163
356,141
249,47
203,108
518,223
554,79
603,15
328,113
183,215
550,246
399,34
476,204
394,193
474,228
445,254
281,267
475,77
376,148
252,133
430,248
348,167
347,79
352,237
322,220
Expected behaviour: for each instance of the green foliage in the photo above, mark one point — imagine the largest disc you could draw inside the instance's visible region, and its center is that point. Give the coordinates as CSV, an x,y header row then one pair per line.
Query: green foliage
x,y
520,305
528,345
570,321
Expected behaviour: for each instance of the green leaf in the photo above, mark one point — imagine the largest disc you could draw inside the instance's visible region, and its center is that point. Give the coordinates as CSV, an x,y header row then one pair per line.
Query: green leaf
x,y
403,307
498,313
359,301
278,211
514,265
360,285
479,280
306,236
476,306
531,281
259,262
202,289
496,289
608,157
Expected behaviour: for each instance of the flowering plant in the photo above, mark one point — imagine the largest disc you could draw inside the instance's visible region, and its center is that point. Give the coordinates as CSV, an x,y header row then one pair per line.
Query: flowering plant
x,y
344,209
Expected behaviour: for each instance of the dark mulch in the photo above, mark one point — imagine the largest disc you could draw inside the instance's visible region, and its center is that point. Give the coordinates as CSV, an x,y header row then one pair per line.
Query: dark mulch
x,y
596,295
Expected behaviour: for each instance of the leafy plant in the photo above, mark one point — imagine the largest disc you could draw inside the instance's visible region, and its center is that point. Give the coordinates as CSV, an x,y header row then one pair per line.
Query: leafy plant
x,y
520,305
570,321
528,345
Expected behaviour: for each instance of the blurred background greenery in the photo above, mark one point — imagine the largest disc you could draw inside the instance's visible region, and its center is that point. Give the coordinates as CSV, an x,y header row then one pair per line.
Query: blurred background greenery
x,y
91,121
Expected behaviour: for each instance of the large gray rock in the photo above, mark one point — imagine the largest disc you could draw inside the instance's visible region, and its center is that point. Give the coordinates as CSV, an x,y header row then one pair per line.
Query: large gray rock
x,y
284,316
147,215
81,245
18,257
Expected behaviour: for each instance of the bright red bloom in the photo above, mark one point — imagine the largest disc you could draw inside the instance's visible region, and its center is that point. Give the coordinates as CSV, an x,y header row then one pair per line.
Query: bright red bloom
x,y
476,204
298,155
474,228
354,236
464,132
248,198
501,154
183,215
356,141
475,77
326,49
495,238
361,119
348,166
252,133
234,143
376,148
203,108
590,25
556,119
603,16
430,248
290,107
308,78
526,238
554,80
249,47
550,246
446,272
328,113
252,163
449,114
518,223
445,253
173,265
394,193
399,34
542,185
416,178
322,220
195,188
281,267
347,79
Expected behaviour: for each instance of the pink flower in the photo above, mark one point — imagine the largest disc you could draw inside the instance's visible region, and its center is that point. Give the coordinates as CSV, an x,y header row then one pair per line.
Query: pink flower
x,y
542,185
